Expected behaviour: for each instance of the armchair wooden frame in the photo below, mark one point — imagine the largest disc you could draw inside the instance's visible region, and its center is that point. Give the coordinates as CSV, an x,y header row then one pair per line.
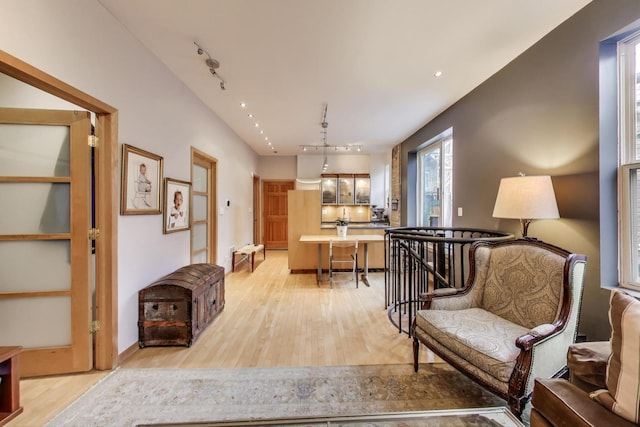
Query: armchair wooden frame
x,y
557,334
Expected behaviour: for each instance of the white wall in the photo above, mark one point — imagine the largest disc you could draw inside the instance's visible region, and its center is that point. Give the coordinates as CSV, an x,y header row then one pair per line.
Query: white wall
x,y
79,42
310,165
378,164
277,167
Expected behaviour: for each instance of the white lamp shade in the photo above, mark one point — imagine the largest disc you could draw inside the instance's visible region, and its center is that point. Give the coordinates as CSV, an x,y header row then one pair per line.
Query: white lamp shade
x,y
526,197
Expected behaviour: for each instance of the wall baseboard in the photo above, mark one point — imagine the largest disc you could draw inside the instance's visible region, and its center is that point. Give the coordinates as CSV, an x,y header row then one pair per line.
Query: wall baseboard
x,y
122,357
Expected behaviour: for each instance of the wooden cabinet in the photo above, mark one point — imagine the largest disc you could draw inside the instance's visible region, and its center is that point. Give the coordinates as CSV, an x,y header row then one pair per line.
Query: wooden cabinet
x,y
175,309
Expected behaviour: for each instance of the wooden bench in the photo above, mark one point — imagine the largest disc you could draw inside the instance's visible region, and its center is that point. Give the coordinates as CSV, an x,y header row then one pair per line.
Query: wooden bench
x,y
247,253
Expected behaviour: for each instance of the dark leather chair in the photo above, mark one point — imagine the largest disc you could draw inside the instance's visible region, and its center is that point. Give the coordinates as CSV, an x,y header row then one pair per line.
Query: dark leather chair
x,y
559,403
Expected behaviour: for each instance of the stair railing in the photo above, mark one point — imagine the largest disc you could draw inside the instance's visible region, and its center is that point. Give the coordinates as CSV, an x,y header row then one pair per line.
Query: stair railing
x,y
421,259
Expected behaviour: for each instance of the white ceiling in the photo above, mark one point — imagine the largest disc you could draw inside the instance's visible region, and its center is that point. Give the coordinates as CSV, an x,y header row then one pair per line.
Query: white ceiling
x,y
371,61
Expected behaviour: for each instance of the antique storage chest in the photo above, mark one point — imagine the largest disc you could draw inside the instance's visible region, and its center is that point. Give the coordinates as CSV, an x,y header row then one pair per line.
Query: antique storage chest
x,y
175,309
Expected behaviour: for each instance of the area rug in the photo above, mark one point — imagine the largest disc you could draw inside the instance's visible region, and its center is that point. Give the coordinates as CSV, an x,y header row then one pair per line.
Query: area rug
x,y
129,397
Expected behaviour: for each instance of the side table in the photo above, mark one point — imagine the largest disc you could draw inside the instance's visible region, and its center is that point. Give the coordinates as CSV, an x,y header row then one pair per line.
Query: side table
x,y
9,384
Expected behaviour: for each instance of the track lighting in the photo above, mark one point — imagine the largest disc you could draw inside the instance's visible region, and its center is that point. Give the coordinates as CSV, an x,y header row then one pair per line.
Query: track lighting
x,y
325,145
212,64
338,148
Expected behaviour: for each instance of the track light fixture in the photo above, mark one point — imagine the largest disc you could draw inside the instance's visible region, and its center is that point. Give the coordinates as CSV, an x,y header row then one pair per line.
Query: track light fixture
x,y
212,63
325,146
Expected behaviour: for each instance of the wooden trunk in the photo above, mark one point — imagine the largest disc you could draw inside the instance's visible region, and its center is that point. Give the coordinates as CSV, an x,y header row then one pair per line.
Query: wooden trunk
x,y
175,309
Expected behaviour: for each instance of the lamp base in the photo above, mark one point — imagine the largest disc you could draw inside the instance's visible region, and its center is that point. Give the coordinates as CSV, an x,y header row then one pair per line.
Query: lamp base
x,y
524,223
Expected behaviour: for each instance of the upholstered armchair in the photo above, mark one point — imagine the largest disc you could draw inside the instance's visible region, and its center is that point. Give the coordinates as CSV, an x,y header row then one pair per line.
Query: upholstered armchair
x,y
511,322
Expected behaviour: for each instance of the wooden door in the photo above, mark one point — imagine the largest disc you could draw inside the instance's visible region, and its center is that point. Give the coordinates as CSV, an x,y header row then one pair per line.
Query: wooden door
x,y
45,283
275,213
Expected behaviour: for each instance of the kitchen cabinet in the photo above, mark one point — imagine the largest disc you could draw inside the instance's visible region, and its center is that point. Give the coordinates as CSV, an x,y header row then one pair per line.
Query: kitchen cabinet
x,y
362,184
345,189
329,187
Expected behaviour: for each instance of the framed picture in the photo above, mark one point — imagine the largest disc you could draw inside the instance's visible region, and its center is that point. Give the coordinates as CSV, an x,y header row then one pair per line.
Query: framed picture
x,y
177,215
140,182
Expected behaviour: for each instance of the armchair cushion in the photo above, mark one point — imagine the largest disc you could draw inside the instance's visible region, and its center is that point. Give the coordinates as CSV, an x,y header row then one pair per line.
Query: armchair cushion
x,y
623,370
477,336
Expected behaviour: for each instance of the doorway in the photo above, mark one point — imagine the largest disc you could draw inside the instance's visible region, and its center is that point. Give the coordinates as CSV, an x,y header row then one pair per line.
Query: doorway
x,y
275,196
106,184
434,184
204,231
256,210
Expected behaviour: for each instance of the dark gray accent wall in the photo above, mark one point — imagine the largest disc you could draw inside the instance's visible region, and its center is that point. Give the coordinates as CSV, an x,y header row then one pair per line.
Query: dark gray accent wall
x,y
538,115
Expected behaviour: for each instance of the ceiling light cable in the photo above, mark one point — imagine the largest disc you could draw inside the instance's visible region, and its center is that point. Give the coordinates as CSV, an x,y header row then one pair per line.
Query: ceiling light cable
x,y
212,64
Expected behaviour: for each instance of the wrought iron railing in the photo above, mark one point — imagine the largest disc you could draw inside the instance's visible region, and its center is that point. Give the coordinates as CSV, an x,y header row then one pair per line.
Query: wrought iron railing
x,y
421,259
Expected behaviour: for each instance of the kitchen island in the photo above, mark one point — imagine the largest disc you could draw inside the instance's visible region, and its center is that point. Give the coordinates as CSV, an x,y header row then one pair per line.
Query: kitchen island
x,y
304,211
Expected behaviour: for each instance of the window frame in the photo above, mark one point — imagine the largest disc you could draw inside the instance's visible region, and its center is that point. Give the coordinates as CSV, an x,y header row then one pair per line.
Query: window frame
x,y
628,163
445,141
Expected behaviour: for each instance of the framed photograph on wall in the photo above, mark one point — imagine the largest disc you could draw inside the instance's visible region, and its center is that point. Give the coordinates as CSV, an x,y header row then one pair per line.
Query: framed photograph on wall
x,y
177,215
140,183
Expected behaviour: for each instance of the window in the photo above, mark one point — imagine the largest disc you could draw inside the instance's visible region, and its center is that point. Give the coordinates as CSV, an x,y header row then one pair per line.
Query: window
x,y
434,183
629,161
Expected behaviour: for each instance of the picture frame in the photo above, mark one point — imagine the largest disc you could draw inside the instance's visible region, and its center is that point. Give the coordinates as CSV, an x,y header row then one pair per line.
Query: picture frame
x,y
177,209
140,182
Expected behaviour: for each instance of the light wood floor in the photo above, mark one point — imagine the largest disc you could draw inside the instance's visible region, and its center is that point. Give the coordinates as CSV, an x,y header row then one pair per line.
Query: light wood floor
x,y
271,318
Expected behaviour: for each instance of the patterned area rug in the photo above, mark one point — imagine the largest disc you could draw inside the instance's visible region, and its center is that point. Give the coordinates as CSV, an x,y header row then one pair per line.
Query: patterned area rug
x,y
129,397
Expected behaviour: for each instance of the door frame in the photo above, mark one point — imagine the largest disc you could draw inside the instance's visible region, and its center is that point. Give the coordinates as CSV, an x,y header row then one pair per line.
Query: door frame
x,y
202,159
106,160
257,224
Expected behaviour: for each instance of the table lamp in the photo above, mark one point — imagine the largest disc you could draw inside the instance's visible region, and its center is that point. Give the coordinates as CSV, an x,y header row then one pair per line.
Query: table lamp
x,y
526,198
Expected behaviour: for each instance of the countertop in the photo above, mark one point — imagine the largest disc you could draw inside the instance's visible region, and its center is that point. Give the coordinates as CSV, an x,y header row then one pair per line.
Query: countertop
x,y
358,225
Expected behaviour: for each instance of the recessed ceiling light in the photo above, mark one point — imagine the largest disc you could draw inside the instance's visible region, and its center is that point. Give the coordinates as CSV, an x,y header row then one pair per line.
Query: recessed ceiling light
x,y
266,138
250,115
243,105
257,125
437,73
261,132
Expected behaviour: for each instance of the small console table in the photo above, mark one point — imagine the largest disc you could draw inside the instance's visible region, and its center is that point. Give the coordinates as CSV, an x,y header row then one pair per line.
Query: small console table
x,y
9,384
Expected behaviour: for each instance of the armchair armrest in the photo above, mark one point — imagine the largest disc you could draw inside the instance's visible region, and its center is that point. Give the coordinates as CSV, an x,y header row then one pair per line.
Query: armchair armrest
x,y
426,298
447,299
537,334
561,403
548,341
587,363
